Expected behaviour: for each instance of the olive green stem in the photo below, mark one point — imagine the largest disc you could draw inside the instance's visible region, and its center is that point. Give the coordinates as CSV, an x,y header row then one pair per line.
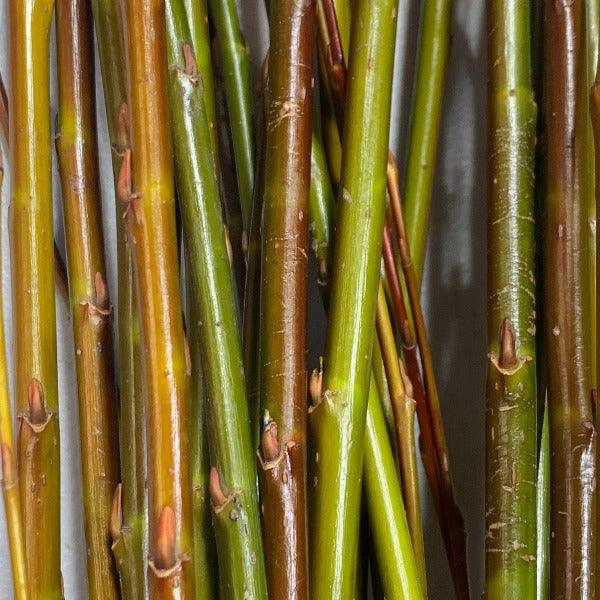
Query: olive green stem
x,y
89,302
197,15
397,566
387,527
10,475
511,427
34,317
204,550
321,203
341,412
432,59
129,519
238,93
232,478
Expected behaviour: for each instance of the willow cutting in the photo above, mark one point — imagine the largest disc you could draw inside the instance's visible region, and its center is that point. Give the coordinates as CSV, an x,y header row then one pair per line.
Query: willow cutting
x,y
129,518
148,198
572,433
232,476
341,412
90,309
34,319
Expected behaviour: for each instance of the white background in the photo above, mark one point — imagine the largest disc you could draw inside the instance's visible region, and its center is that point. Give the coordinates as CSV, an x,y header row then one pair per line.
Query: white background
x,y
454,285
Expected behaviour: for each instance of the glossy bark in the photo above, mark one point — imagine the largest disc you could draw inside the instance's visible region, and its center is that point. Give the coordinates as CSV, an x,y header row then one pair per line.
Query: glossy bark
x,y
34,318
283,298
148,196
572,432
89,302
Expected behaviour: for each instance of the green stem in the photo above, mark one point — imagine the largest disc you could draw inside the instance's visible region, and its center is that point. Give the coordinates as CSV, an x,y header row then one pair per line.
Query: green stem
x,y
434,47
341,412
197,16
204,550
238,93
398,567
130,522
34,316
390,524
572,434
511,387
232,479
90,309
403,404
321,202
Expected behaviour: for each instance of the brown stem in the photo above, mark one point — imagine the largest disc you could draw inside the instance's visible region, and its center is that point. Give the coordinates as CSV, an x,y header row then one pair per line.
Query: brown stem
x,y
572,432
283,299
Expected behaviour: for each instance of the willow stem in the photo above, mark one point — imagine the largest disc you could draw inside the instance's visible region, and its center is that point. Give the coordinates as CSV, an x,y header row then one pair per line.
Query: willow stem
x,y
232,477
432,59
572,432
403,405
543,513
10,475
512,439
148,197
283,299
451,520
398,567
197,16
90,308
33,291
341,412
236,75
592,38
129,519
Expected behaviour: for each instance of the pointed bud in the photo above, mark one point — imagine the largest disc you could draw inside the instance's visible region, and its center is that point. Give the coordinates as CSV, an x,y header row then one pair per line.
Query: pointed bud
x,y
124,183
406,333
124,179
190,64
408,386
116,514
188,356
37,407
269,442
507,358
122,127
228,244
101,291
165,552
217,497
315,385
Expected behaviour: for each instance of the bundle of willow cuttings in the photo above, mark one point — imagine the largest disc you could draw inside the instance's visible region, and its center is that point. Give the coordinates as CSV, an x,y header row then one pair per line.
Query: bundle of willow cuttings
x,y
217,460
